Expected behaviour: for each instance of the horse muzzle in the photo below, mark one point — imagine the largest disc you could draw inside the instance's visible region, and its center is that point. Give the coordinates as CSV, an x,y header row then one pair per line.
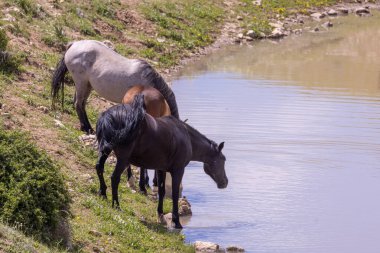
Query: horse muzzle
x,y
223,184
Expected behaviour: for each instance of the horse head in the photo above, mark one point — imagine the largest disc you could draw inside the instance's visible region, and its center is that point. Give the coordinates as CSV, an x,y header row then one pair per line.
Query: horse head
x,y
214,167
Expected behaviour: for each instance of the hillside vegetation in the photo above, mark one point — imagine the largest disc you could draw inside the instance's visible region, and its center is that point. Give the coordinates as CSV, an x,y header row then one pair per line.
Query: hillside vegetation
x,y
33,36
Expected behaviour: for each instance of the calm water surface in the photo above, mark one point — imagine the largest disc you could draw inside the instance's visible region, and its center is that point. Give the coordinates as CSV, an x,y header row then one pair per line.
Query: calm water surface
x,y
301,122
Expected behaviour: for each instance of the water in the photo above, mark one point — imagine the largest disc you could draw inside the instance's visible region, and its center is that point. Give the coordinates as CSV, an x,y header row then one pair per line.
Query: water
x,y
301,122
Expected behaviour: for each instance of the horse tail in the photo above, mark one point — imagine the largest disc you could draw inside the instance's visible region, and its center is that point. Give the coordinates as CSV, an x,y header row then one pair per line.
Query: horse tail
x,y
58,80
159,83
119,125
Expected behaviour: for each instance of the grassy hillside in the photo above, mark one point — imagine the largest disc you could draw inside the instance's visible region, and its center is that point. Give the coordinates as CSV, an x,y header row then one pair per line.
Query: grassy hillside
x,y
162,32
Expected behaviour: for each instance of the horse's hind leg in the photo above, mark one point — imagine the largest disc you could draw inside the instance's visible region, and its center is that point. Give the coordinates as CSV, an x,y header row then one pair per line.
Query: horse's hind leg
x,y
161,192
100,170
115,180
143,180
83,90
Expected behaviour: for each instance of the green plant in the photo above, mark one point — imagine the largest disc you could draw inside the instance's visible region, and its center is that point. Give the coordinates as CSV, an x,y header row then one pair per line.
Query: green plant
x,y
33,195
3,40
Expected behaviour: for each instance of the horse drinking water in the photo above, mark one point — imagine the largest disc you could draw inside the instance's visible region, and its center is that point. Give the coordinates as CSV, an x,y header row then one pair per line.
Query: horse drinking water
x,y
156,106
93,65
165,144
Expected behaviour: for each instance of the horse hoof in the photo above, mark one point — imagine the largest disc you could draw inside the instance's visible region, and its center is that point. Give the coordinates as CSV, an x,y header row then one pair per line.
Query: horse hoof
x,y
178,226
143,192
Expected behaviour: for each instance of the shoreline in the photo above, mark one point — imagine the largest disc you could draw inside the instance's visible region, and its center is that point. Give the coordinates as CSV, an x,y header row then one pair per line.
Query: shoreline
x,y
296,24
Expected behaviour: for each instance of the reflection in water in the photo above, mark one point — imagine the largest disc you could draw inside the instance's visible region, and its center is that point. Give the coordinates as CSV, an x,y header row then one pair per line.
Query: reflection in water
x,y
301,121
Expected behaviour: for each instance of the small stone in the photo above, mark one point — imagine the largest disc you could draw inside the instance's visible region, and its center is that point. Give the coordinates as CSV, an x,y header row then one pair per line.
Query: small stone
x,y
58,123
234,249
9,18
161,40
328,24
80,13
297,31
317,15
97,249
277,33
44,109
332,12
95,233
316,29
343,10
239,18
206,247
256,2
360,11
240,36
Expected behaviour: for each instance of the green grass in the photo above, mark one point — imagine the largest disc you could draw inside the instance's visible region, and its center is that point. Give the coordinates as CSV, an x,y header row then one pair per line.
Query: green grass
x,y
182,26
257,18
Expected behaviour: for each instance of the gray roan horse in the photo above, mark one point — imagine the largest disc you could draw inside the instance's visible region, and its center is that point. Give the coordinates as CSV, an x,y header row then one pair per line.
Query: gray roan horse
x,y
165,144
93,65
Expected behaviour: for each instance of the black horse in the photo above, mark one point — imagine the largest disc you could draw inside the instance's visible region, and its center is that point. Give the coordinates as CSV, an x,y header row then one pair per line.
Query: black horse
x,y
165,144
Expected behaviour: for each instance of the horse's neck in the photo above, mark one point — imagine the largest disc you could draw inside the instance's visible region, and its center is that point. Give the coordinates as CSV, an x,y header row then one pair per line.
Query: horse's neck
x,y
200,145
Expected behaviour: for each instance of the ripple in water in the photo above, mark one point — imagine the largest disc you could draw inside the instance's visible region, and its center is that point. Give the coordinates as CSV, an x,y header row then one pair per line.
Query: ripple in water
x,y
302,143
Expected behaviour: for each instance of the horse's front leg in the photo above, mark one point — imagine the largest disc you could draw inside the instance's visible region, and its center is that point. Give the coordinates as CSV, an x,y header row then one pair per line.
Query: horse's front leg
x,y
177,175
115,180
100,170
161,192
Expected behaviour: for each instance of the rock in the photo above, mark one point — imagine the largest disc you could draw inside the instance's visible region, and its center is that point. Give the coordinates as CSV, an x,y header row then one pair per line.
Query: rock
x,y
256,2
97,249
80,13
95,233
44,109
328,24
161,40
277,33
362,11
239,18
58,123
88,139
234,249
9,18
184,207
317,15
343,10
297,31
240,36
209,247
316,29
332,12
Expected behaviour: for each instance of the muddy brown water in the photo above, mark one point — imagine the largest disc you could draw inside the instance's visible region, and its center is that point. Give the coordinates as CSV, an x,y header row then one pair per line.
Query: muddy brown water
x,y
301,122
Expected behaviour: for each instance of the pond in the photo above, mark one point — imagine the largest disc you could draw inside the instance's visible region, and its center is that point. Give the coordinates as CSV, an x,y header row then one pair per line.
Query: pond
x,y
301,122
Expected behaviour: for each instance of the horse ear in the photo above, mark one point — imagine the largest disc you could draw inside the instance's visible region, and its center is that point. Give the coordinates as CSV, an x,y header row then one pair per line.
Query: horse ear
x,y
221,146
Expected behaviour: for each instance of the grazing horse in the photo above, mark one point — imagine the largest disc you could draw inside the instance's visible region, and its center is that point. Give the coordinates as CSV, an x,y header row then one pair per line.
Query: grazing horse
x,y
93,65
156,106
165,144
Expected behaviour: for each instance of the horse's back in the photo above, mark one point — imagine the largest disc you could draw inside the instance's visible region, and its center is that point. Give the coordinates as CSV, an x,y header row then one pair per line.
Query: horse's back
x,y
155,102
110,74
164,143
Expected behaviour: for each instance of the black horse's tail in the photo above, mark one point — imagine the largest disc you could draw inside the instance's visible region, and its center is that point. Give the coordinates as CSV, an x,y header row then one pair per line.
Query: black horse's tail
x,y
120,124
58,80
159,83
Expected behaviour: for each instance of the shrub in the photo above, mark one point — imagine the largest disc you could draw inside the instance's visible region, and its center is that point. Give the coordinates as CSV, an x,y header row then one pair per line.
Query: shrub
x,y
33,195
